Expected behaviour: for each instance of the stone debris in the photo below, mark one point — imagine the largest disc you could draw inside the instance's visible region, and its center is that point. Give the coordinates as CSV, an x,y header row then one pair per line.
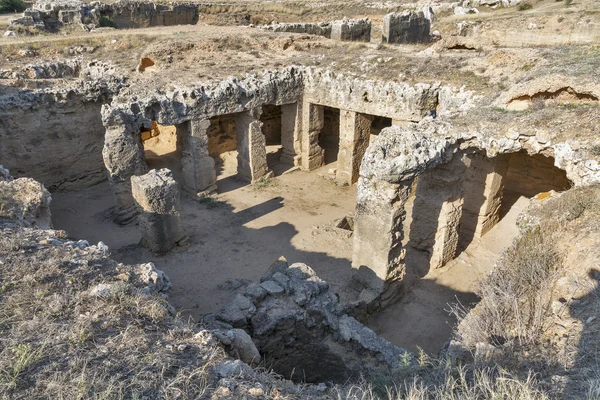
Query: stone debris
x,y
299,328
319,29
158,201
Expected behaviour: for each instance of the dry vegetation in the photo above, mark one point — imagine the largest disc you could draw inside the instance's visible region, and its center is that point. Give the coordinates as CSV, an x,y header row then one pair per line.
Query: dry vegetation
x,y
61,341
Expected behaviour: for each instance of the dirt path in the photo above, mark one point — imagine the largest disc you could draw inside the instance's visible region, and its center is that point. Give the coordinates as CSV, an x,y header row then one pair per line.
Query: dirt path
x,y
238,235
421,319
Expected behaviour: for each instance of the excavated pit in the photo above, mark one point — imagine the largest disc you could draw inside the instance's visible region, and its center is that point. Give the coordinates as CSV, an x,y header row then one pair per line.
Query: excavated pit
x,y
242,208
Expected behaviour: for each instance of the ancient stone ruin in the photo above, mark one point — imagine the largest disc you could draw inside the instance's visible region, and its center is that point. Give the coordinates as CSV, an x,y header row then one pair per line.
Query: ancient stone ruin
x,y
123,14
390,172
347,30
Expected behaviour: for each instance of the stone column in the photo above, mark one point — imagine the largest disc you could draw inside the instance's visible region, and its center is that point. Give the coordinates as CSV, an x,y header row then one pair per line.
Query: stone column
x,y
158,201
355,132
312,123
198,167
378,255
437,212
291,129
482,195
251,146
123,155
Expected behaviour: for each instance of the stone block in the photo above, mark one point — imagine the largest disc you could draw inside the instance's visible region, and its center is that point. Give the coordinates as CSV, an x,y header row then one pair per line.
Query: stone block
x,y
407,27
157,199
351,30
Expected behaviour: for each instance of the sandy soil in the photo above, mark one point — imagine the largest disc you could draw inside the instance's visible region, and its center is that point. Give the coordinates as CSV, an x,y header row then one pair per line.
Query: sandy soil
x,y
421,319
234,236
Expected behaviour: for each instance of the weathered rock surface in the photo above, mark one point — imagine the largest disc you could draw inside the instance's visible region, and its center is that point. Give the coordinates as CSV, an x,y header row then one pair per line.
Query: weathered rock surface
x,y
24,201
407,27
298,327
351,30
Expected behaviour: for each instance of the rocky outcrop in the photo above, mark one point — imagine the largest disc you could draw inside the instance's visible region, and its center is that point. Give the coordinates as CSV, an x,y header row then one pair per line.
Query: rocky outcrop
x,y
348,30
555,88
298,327
126,14
123,14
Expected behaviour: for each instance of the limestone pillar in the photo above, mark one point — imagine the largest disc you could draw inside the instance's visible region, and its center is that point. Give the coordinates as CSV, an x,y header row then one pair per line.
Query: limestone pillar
x,y
437,212
312,123
355,132
378,255
251,146
482,195
291,129
123,155
158,201
198,167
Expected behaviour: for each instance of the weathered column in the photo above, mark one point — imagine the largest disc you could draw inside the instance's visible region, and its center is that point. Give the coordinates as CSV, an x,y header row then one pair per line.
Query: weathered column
x,y
312,122
291,129
482,195
123,155
437,212
198,167
355,132
158,201
377,255
251,146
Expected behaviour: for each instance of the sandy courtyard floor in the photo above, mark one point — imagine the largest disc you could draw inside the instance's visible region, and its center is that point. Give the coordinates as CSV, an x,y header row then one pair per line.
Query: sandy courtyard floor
x,y
235,236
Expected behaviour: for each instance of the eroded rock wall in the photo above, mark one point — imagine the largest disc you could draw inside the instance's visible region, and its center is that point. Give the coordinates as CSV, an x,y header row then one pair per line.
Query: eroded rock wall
x,y
55,133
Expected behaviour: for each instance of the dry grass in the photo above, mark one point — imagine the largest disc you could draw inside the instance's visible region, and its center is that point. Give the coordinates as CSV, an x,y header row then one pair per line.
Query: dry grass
x,y
441,380
516,296
60,342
